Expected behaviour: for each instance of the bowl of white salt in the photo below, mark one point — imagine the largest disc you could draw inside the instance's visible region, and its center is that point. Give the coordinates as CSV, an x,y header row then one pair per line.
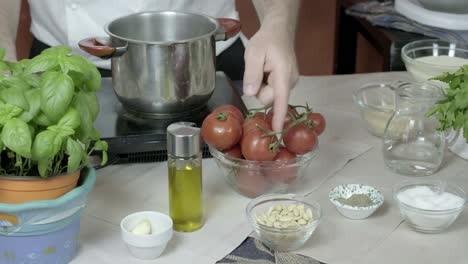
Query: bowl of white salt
x,y
429,206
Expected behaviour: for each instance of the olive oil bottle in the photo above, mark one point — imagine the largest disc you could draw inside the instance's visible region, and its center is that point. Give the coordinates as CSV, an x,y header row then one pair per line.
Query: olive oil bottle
x,y
185,176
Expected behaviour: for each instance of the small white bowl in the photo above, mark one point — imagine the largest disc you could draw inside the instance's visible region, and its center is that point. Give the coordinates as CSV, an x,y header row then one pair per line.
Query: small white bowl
x,y
147,246
353,212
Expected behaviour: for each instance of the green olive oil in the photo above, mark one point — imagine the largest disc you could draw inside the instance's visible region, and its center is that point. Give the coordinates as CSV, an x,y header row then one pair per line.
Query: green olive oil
x,y
185,196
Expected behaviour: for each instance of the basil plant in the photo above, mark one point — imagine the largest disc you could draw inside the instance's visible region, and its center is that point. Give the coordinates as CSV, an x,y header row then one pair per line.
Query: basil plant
x,y
48,106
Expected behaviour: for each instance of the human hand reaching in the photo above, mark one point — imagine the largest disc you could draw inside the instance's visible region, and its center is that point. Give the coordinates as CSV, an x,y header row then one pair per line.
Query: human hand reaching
x,y
271,69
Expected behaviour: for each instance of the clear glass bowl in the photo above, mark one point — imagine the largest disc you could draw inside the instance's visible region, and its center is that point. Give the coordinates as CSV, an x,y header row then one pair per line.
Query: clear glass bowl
x,y
428,221
376,103
282,239
255,178
440,56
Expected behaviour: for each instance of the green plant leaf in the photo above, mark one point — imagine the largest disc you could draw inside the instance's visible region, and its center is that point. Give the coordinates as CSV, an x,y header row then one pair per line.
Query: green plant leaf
x,y
42,120
56,94
31,80
34,101
74,151
74,63
17,83
4,66
8,111
2,53
93,78
57,51
17,137
43,167
61,131
14,97
102,146
86,104
40,63
44,145
71,119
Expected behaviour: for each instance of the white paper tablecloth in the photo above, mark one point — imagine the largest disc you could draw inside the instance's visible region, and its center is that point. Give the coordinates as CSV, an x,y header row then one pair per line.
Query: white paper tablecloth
x,y
348,154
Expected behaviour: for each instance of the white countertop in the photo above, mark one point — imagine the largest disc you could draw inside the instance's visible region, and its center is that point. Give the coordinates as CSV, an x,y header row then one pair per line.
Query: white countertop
x,y
382,238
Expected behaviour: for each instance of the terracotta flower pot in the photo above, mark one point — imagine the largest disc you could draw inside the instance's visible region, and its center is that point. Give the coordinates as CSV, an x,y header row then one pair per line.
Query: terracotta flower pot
x,y
20,189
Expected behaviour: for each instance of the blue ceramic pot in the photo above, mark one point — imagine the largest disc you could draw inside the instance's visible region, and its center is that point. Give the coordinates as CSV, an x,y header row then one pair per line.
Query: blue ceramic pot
x,y
44,231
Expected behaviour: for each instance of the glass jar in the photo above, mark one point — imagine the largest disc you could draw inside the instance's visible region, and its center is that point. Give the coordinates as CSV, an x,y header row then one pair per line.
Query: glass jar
x,y
412,145
184,161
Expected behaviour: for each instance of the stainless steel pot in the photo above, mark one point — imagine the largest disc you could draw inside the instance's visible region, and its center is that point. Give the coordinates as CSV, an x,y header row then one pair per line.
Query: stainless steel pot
x,y
163,63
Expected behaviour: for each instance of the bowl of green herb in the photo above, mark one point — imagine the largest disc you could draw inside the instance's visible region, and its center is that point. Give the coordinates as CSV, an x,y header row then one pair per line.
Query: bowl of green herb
x,y
356,201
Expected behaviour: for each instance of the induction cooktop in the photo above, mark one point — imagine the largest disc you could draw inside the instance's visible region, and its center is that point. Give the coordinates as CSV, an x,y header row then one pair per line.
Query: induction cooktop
x,y
134,139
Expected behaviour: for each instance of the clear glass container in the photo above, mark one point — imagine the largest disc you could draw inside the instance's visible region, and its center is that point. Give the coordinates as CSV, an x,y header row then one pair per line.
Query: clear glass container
x,y
184,161
412,145
186,192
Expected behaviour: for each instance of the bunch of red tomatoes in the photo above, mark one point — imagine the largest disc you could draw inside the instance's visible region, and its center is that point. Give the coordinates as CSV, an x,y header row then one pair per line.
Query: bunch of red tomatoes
x,y
251,138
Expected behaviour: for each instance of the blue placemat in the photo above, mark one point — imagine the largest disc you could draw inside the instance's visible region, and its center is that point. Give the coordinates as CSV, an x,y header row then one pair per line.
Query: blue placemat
x,y
252,251
383,14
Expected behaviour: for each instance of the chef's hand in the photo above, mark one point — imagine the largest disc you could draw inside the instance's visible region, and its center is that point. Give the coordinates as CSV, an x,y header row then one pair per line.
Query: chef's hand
x,y
271,69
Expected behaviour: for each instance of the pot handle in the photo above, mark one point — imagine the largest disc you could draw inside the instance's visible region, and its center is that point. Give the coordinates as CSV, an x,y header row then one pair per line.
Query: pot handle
x,y
229,28
100,48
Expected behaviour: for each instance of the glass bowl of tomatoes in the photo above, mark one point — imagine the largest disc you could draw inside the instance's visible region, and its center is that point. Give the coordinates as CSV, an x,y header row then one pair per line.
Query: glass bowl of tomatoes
x,y
254,178
256,160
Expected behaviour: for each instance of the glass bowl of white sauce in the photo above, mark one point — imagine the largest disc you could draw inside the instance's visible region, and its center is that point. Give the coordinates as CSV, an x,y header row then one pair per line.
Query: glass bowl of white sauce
x,y
426,59
429,206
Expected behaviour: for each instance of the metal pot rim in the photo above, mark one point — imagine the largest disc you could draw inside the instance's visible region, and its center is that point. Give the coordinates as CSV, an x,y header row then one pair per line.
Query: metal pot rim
x,y
211,33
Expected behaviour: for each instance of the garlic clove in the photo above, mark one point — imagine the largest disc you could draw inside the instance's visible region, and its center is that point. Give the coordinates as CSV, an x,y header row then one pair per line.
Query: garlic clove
x,y
142,228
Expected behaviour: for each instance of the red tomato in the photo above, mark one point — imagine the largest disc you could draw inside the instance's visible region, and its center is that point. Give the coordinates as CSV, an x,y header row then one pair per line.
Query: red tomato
x,y
300,139
255,146
280,172
234,152
251,123
251,182
319,122
221,130
260,115
232,109
291,112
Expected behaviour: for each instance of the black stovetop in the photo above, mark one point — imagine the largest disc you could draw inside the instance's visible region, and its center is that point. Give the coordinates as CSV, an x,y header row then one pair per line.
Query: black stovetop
x,y
134,139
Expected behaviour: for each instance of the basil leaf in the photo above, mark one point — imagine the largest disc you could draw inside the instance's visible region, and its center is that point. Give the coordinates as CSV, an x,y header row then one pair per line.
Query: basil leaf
x,y
43,146
71,119
17,137
8,111
4,66
34,101
87,106
56,51
74,151
56,94
93,78
40,63
17,83
42,120
43,166
31,80
14,97
74,63
62,131
102,146
2,53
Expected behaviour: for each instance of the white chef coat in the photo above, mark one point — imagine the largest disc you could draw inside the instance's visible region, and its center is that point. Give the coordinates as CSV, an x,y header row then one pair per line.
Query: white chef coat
x,y
66,22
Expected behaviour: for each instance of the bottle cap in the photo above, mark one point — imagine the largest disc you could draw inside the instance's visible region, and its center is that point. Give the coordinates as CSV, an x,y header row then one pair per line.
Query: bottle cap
x,y
183,139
